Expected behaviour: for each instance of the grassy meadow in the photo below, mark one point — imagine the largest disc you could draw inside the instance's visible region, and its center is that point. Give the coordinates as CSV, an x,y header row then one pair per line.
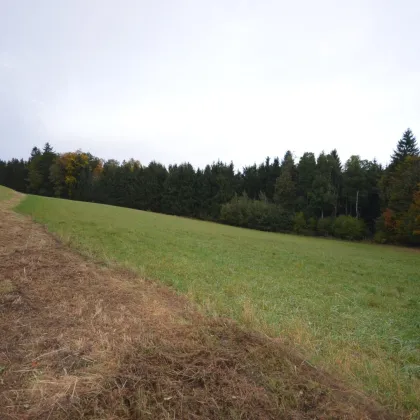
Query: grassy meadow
x,y
5,193
350,307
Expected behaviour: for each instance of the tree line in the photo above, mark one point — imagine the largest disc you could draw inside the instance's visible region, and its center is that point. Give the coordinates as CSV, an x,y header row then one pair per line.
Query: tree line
x,y
317,195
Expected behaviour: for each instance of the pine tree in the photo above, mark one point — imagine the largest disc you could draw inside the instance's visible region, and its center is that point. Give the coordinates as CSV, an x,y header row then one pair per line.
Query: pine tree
x,y
355,187
322,196
336,178
285,188
285,191
407,146
274,173
251,180
35,152
48,148
306,175
34,179
3,168
15,174
48,158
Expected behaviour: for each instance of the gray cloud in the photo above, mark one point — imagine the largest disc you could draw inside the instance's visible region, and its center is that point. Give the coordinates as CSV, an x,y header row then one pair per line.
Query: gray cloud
x,y
198,81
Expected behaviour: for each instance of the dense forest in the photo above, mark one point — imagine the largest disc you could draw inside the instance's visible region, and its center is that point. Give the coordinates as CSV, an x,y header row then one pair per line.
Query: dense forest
x,y
314,196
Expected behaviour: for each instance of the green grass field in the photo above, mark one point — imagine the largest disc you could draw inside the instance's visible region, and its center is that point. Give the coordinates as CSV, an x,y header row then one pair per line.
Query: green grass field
x,y
5,193
352,308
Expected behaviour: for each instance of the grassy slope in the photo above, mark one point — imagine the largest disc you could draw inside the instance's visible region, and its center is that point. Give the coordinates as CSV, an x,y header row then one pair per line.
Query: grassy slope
x,y
352,307
5,193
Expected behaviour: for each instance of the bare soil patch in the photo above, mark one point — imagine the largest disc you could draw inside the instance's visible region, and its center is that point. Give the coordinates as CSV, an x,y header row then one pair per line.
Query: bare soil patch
x,y
83,341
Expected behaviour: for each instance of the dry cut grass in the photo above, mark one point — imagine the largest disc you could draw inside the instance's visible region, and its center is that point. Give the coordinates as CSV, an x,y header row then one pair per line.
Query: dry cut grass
x,y
79,340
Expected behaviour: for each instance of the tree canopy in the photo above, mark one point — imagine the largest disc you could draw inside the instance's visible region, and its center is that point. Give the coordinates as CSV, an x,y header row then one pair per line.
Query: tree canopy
x,y
314,195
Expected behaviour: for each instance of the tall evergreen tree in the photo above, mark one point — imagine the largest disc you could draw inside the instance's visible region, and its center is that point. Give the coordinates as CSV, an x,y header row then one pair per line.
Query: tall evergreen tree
x,y
274,171
3,167
179,195
336,179
354,178
404,182
286,188
35,178
322,195
223,186
371,207
15,175
251,181
152,183
106,185
407,146
39,171
48,158
306,173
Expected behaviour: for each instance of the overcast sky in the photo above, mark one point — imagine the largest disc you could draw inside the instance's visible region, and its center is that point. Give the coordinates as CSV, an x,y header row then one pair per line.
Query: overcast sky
x,y
198,81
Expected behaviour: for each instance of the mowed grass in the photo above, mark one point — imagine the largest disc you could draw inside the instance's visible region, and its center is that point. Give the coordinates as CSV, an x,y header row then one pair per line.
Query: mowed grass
x,y
5,193
349,307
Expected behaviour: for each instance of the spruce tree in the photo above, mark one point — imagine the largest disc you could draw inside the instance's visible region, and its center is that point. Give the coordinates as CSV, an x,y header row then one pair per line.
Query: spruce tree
x,y
407,146
306,175
285,187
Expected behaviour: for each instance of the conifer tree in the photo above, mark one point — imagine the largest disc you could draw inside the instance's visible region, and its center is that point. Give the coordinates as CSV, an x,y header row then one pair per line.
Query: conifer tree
x,y
407,146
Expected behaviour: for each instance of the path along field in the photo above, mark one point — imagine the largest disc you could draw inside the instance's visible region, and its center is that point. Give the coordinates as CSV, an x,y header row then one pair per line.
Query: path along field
x,y
350,308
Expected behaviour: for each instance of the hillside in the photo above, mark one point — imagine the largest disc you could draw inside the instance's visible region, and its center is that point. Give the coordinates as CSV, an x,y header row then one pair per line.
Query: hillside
x,y
140,322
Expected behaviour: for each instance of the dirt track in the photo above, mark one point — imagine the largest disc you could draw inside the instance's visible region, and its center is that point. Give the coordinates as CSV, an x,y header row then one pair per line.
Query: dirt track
x,y
78,340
